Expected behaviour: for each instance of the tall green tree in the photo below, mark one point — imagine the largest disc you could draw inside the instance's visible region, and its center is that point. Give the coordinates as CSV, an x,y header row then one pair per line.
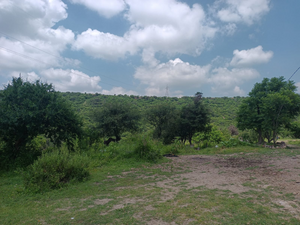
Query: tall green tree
x,y
161,116
116,117
272,104
193,118
30,109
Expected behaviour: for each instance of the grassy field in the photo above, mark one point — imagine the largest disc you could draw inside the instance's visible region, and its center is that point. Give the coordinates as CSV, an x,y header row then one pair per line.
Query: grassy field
x,y
173,191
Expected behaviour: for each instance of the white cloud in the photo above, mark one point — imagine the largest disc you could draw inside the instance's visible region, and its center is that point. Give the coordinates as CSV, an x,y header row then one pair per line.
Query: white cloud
x,y
238,91
181,76
118,91
63,80
250,57
229,29
241,11
167,26
71,80
226,82
29,18
175,73
105,8
103,45
31,22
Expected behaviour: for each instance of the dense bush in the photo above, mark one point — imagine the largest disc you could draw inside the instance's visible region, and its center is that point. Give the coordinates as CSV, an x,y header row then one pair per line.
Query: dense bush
x,y
146,150
27,154
232,142
249,136
54,170
28,110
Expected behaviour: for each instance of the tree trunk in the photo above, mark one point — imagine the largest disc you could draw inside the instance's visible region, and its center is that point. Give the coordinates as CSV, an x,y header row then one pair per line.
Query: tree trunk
x,y
260,138
118,138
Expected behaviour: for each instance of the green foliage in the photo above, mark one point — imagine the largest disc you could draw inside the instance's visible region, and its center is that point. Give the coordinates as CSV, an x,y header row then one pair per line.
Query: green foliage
x,y
248,136
162,117
233,142
30,109
131,146
212,136
222,110
115,118
54,170
193,118
272,105
146,150
294,128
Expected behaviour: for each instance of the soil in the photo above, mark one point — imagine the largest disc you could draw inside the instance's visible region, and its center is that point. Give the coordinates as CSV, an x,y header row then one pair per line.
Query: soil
x,y
231,172
280,175
238,173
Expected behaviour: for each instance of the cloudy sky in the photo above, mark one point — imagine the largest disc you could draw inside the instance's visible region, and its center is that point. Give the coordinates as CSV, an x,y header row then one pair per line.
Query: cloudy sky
x,y
152,47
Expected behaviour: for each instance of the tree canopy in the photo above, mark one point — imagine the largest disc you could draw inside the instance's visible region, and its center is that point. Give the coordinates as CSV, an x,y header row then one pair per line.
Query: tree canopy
x,y
30,109
272,105
160,116
194,118
116,117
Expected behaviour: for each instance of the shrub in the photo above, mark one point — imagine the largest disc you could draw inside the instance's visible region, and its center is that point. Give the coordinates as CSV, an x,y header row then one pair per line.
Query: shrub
x,y
249,136
54,170
145,149
233,143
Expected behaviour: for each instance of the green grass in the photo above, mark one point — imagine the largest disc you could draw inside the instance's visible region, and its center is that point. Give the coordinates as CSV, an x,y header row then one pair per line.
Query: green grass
x,y
127,192
258,150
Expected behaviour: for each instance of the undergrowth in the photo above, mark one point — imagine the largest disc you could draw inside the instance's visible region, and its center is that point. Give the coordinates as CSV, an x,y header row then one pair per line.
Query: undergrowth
x,y
54,170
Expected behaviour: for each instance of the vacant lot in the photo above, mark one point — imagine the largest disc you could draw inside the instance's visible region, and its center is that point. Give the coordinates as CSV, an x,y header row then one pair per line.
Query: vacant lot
x,y
254,187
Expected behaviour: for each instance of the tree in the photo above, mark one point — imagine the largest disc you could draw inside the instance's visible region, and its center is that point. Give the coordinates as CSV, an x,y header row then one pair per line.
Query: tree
x,y
193,118
160,116
116,117
30,109
272,104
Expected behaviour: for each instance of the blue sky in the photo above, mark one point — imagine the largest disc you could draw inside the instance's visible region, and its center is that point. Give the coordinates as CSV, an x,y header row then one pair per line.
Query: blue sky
x,y
220,47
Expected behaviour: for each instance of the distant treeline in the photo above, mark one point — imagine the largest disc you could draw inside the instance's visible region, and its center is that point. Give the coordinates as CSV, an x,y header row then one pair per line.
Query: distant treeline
x,y
222,110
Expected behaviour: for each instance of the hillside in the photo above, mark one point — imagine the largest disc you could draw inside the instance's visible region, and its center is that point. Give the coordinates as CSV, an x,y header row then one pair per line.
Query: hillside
x,y
223,110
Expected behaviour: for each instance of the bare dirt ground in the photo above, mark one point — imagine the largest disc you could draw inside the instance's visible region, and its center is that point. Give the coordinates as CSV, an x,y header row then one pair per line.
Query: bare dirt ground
x,y
240,173
274,176
232,171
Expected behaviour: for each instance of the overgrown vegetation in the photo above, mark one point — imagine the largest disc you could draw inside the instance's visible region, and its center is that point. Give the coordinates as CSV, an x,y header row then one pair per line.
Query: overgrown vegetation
x,y
55,170
272,105
31,109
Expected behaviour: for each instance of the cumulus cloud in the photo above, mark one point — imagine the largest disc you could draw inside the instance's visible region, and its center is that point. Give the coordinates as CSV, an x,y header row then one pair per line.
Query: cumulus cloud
x,y
65,80
250,57
29,40
175,74
118,91
30,18
103,45
105,8
166,26
227,82
237,11
181,76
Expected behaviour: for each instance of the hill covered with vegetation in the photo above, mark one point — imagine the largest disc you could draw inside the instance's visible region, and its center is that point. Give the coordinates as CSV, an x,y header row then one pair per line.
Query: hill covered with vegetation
x,y
222,110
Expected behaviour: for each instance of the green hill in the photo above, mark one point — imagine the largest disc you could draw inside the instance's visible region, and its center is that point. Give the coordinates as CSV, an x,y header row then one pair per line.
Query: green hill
x,y
223,110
